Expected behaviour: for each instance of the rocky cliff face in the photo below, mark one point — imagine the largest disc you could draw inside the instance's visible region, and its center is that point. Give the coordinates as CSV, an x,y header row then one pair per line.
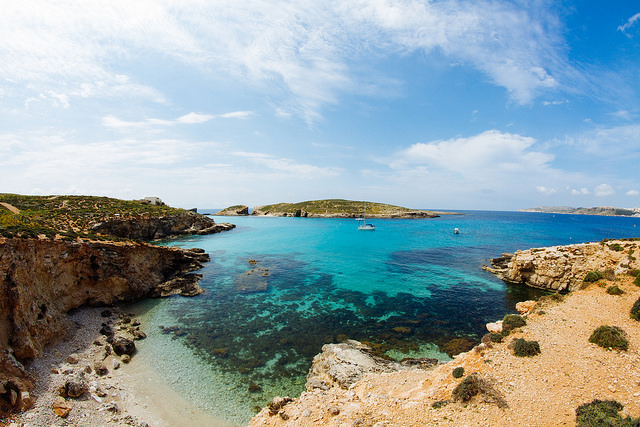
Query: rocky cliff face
x,y
564,268
42,279
155,228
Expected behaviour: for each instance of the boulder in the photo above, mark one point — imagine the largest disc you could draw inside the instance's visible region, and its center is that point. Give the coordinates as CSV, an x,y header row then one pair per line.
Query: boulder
x,y
495,327
123,345
61,407
76,385
526,306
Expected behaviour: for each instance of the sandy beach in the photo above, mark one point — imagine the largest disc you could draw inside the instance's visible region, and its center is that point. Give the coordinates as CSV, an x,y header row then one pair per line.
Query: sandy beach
x,y
130,394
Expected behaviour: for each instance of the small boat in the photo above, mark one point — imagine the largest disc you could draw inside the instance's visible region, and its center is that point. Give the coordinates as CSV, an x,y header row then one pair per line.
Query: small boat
x,y
456,231
364,225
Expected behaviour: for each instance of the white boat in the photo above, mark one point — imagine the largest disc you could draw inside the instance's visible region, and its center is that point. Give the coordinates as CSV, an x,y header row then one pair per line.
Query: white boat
x,y
364,225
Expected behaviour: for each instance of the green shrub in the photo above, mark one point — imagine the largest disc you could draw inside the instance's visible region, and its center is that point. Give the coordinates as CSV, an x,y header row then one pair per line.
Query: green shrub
x,y
614,290
609,337
473,385
524,348
496,337
458,372
603,413
616,247
593,276
439,404
468,388
637,280
512,321
635,310
634,272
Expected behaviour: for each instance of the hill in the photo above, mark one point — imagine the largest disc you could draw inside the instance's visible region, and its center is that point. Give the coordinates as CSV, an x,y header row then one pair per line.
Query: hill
x,y
340,208
599,210
96,218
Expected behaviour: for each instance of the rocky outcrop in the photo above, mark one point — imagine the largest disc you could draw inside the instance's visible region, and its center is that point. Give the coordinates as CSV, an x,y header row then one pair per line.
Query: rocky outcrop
x,y
41,280
299,213
564,268
163,227
342,365
237,210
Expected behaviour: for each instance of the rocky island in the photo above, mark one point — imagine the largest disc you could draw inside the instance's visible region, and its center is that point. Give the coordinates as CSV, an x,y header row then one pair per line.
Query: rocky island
x,y
332,208
59,253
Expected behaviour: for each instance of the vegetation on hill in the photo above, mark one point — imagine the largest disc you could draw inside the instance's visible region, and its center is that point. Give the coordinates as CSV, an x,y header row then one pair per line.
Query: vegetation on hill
x,y
68,216
599,210
339,207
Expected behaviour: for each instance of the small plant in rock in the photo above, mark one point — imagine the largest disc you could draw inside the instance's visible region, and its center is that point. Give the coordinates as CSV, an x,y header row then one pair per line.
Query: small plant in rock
x,y
634,272
458,372
524,348
610,337
637,280
614,290
616,247
512,321
635,310
474,385
603,413
593,276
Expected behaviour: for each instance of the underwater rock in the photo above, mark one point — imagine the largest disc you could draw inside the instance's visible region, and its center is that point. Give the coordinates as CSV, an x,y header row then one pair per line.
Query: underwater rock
x,y
252,281
457,346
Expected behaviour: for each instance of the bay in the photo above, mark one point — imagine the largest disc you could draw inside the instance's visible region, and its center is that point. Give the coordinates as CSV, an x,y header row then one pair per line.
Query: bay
x,y
277,289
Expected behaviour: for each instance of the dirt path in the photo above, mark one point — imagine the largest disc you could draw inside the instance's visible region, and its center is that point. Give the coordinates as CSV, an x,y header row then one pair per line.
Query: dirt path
x,y
10,207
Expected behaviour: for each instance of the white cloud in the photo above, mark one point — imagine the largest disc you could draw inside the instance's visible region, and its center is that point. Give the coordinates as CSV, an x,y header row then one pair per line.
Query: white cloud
x,y
187,119
632,193
302,52
580,192
603,190
287,166
630,22
547,191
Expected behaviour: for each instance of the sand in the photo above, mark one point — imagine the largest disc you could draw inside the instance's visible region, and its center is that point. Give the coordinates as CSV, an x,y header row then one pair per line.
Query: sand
x,y
135,394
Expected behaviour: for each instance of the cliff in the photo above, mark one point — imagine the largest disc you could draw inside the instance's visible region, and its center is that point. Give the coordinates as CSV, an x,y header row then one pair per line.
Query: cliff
x,y
236,210
42,280
564,268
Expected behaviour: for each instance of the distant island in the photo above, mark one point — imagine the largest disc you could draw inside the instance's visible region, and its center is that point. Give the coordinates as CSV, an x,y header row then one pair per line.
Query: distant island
x,y
599,210
332,208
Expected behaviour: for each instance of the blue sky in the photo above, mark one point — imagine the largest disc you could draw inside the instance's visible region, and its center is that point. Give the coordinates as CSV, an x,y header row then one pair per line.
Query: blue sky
x,y
427,104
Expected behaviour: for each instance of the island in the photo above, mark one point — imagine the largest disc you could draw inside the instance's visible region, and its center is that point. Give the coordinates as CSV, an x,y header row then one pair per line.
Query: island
x,y
333,208
598,210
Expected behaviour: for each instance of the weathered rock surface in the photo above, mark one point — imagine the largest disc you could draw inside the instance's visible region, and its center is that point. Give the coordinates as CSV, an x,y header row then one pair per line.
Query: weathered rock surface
x,y
41,280
342,365
154,228
563,268
238,210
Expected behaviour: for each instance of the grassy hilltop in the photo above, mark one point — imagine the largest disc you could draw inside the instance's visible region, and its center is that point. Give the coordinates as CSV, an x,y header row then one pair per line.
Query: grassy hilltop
x,y
341,208
68,216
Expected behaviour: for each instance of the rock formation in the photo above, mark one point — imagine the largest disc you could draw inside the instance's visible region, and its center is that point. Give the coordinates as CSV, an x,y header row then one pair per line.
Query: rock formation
x,y
564,268
237,210
43,279
342,365
155,228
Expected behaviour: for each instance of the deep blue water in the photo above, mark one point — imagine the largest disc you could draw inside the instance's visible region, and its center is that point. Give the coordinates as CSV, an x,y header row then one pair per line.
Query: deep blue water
x,y
408,288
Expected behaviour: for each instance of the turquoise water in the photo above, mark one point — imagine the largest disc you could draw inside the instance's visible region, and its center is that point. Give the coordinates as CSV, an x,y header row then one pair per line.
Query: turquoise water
x,y
409,288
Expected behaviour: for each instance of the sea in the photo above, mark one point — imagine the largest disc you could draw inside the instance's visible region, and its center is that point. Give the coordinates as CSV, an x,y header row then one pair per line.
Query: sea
x,y
278,289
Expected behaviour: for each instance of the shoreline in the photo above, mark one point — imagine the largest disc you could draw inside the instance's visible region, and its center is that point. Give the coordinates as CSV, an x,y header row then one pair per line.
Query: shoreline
x,y
134,394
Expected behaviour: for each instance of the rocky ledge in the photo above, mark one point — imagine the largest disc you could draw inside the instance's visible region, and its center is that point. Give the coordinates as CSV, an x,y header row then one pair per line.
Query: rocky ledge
x,y
164,227
564,268
44,279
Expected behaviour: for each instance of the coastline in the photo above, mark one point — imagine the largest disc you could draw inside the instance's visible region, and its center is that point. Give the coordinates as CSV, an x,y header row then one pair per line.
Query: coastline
x,y
135,394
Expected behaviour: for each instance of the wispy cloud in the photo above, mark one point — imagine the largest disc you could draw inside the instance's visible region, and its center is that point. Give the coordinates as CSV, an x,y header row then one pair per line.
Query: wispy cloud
x,y
603,190
302,53
188,119
630,23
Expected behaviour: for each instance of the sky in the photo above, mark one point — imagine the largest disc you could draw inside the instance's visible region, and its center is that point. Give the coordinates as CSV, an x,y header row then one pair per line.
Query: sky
x,y
443,104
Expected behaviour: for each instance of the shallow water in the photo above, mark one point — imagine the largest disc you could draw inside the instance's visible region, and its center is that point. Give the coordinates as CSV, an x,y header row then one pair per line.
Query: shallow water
x,y
409,288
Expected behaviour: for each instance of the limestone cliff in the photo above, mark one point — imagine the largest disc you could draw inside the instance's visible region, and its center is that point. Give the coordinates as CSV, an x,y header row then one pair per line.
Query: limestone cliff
x,y
564,268
42,279
155,228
